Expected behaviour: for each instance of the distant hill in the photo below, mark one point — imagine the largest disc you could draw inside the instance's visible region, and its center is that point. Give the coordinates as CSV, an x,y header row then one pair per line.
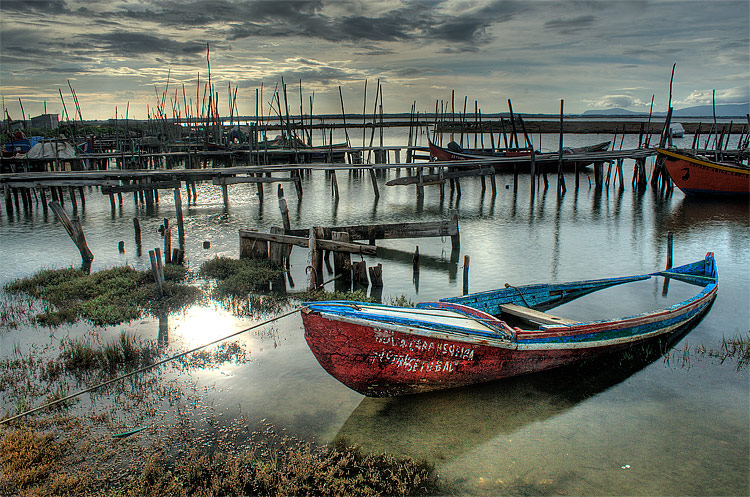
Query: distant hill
x,y
727,110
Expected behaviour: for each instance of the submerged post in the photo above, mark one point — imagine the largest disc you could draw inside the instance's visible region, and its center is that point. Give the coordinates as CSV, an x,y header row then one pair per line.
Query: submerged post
x,y
670,237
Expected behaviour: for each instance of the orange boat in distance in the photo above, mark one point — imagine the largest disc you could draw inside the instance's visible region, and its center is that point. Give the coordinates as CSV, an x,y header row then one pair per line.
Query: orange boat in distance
x,y
698,175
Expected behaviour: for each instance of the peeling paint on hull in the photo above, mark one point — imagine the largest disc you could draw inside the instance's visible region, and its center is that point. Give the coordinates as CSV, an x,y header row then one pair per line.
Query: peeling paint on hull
x,y
377,351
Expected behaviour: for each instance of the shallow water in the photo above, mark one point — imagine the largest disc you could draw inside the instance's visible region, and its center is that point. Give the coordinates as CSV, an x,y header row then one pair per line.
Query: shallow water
x,y
677,426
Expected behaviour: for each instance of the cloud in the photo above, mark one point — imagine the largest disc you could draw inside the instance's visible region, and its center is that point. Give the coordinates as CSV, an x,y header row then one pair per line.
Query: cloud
x,y
615,101
570,26
736,95
132,44
45,7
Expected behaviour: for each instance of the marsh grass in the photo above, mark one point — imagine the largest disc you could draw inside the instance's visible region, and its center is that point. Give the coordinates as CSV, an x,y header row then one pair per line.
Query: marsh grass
x,y
318,295
107,297
238,277
34,463
81,355
735,348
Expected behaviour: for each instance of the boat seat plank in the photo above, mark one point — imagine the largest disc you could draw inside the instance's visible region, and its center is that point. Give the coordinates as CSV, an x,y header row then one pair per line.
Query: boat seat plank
x,y
533,315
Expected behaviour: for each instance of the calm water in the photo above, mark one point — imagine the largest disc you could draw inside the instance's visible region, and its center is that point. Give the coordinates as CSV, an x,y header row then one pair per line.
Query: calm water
x,y
664,428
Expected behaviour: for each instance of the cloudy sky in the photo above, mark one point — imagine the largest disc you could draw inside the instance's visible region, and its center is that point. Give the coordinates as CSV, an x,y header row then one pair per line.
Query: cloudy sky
x,y
593,54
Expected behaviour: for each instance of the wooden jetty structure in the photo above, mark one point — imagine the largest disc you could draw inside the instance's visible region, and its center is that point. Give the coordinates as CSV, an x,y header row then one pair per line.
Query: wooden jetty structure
x,y
29,187
342,242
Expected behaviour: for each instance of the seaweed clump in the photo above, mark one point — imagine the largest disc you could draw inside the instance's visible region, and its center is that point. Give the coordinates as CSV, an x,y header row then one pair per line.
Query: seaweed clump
x,y
107,297
34,464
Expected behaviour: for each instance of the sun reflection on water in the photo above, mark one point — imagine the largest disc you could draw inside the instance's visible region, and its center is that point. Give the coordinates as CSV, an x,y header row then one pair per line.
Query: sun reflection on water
x,y
203,324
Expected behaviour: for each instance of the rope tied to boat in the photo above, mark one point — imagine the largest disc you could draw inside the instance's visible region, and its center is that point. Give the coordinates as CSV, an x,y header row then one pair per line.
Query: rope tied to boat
x,y
146,368
520,293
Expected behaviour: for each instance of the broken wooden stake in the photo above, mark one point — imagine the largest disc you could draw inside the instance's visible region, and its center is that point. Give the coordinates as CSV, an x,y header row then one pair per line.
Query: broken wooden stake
x,y
376,275
342,263
75,230
359,273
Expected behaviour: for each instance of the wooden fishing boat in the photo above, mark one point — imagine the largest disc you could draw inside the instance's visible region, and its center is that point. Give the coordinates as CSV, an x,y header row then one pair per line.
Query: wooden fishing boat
x,y
696,175
454,152
382,351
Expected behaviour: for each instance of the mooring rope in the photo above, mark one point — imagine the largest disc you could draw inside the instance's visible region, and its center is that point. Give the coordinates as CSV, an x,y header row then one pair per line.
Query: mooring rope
x,y
145,368
508,285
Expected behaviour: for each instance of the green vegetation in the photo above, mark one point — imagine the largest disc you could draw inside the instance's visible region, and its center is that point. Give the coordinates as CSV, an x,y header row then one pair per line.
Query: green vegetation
x,y
35,464
238,277
81,355
107,297
356,295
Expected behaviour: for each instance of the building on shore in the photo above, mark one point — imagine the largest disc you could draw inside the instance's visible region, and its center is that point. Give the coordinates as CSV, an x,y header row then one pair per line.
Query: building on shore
x,y
46,121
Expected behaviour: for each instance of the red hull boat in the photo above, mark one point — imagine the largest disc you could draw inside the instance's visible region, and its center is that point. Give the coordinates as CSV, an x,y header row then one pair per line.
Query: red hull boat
x,y
381,350
696,175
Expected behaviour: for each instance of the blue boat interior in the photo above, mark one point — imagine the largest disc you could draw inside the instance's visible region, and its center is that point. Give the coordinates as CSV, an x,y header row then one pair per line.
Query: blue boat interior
x,y
522,306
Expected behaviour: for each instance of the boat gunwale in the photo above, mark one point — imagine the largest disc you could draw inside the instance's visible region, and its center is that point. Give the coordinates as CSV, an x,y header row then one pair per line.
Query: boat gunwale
x,y
721,166
552,335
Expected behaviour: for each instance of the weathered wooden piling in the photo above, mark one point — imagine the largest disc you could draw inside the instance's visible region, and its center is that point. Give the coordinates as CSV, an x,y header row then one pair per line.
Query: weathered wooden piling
x,y
376,275
75,230
180,223
670,237
560,177
342,263
359,273
137,228
455,237
314,259
167,242
465,278
277,251
157,269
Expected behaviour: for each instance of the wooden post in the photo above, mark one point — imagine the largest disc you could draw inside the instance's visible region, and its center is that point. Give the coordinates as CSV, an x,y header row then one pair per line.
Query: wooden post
x,y
670,237
376,275
342,263
359,273
455,239
8,200
466,275
560,178
225,194
167,243
137,228
374,183
75,230
277,251
314,260
297,182
73,200
180,224
260,191
334,184
43,195
156,271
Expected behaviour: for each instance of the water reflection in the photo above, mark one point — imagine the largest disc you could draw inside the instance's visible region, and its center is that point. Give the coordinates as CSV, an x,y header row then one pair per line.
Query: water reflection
x,y
441,426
